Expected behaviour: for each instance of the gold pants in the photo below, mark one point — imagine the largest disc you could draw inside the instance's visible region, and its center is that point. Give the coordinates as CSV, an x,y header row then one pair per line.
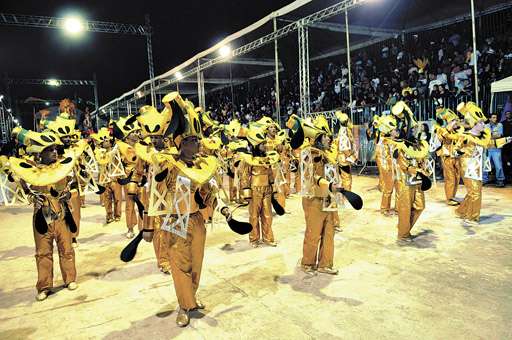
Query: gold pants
x,y
130,209
410,203
451,173
58,231
288,175
260,214
297,181
378,160
470,207
232,189
346,180
161,239
187,261
112,197
387,188
319,233
75,206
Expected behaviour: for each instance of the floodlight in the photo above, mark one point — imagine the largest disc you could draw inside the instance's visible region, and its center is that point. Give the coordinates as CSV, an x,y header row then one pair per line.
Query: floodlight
x,y
53,82
74,25
225,51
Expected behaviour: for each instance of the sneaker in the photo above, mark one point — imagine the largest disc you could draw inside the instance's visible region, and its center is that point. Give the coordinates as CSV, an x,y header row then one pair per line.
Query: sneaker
x,y
500,184
72,286
327,270
310,270
199,304
166,270
452,202
117,219
182,319
110,220
74,242
42,295
255,244
338,229
130,234
270,244
470,223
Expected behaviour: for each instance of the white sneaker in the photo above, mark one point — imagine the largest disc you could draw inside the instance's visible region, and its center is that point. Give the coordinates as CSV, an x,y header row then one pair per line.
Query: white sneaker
x,y
72,286
470,223
42,295
130,234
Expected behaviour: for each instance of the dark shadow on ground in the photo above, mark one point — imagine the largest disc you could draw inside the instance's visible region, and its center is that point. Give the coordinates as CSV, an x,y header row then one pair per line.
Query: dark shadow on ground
x,y
426,238
21,251
313,284
492,218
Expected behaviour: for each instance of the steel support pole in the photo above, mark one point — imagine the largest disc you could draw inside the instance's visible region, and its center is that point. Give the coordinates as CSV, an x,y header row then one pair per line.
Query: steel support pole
x,y
96,101
276,61
475,66
231,85
150,59
305,103
349,66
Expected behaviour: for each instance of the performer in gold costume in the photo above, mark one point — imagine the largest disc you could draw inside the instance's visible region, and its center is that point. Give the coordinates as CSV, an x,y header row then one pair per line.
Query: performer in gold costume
x,y
409,167
64,127
127,133
346,156
256,183
448,134
156,142
44,176
112,196
189,174
385,125
471,144
318,248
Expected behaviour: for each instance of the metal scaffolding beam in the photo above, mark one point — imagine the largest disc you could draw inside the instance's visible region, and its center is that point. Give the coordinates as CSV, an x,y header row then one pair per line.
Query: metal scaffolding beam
x,y
354,29
38,21
251,61
51,82
305,103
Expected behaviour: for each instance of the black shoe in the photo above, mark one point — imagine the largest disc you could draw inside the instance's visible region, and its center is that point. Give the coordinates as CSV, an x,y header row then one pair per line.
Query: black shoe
x,y
500,185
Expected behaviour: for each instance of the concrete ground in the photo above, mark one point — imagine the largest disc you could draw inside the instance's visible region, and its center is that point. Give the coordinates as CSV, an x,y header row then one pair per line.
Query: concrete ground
x,y
456,283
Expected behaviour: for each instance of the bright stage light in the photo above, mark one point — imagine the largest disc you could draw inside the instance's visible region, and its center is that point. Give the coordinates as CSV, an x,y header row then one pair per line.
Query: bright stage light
x,y
47,103
225,51
74,25
179,75
53,82
139,94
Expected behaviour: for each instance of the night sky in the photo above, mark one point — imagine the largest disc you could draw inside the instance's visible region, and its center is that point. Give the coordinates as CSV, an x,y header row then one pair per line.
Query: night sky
x,y
181,29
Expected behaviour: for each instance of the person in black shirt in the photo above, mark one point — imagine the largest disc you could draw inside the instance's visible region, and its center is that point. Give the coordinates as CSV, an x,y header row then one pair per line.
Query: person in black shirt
x,y
507,148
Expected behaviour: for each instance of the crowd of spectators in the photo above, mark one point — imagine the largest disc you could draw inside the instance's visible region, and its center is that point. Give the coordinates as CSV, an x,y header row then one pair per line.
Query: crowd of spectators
x,y
426,66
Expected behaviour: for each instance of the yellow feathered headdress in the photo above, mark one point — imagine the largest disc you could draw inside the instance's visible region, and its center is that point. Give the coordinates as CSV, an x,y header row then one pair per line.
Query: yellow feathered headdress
x,y
124,126
102,135
386,124
35,142
472,113
152,122
185,121
62,126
